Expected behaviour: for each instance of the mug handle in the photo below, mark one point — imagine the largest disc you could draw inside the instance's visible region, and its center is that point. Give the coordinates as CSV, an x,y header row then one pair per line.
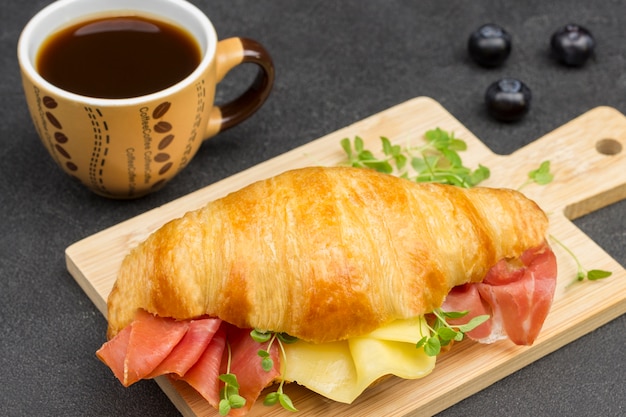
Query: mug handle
x,y
230,53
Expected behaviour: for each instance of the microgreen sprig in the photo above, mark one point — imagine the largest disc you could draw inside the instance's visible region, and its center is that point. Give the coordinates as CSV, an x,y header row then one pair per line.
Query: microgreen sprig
x,y
442,333
229,394
260,336
540,176
437,160
581,272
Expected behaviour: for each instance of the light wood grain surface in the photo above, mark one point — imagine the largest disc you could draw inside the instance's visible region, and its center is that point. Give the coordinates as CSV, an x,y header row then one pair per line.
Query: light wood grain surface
x,y
588,158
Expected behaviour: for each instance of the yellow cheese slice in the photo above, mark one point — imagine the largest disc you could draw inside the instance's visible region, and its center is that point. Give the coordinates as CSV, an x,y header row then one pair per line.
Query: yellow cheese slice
x,y
342,370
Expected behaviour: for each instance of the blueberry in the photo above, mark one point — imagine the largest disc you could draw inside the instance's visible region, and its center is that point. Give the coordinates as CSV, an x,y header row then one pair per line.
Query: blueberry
x,y
572,45
508,99
489,45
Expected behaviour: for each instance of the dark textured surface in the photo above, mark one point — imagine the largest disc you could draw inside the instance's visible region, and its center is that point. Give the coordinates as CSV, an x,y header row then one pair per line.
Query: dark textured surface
x,y
336,63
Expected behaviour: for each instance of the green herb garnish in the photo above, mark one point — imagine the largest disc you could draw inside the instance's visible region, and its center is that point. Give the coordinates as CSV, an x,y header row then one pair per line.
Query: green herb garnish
x,y
540,176
582,273
437,160
229,394
277,397
442,333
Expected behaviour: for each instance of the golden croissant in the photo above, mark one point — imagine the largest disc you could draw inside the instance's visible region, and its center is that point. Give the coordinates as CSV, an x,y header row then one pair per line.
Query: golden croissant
x,y
347,247
330,254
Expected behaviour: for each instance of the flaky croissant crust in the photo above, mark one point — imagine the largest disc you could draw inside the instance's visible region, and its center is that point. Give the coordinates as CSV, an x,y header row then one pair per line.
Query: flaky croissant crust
x,y
324,254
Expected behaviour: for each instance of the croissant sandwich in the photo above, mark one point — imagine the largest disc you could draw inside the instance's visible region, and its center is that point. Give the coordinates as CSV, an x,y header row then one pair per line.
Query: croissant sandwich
x,y
326,277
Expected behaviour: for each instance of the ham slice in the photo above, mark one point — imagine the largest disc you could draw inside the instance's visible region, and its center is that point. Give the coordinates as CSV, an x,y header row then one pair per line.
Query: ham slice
x,y
188,351
146,342
246,365
114,353
467,298
517,294
194,351
204,375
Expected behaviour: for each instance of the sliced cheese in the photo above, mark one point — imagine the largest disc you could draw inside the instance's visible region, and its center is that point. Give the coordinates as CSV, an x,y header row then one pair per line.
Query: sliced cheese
x,y
326,368
342,370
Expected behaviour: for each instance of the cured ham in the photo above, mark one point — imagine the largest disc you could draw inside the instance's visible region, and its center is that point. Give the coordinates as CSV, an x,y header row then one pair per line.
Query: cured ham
x,y
245,364
188,351
517,294
194,351
467,298
144,345
204,375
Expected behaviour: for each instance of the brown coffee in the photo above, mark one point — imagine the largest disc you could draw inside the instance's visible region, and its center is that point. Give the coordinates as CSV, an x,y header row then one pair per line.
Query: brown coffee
x,y
118,57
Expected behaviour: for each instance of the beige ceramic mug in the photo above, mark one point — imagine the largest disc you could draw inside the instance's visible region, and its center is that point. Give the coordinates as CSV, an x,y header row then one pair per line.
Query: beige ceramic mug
x,y
128,147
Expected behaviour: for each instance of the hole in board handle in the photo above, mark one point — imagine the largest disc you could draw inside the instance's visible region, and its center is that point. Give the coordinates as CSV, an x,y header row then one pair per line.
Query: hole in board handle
x,y
608,146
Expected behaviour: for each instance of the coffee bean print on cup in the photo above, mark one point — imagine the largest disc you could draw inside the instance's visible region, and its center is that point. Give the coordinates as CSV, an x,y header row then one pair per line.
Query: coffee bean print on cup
x,y
165,168
62,151
60,137
51,104
53,120
161,109
163,127
165,142
161,157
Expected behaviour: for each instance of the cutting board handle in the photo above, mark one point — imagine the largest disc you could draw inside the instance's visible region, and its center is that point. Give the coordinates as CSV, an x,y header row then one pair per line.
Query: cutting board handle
x,y
587,158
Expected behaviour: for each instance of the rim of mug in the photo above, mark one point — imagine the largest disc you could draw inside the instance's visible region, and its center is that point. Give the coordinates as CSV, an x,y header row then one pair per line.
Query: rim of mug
x,y
27,51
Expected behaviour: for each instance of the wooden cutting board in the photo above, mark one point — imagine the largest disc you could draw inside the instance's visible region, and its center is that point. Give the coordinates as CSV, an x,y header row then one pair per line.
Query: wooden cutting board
x,y
588,158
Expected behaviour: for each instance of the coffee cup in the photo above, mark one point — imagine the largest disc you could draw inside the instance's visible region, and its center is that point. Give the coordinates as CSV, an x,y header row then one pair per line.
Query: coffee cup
x,y
124,125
